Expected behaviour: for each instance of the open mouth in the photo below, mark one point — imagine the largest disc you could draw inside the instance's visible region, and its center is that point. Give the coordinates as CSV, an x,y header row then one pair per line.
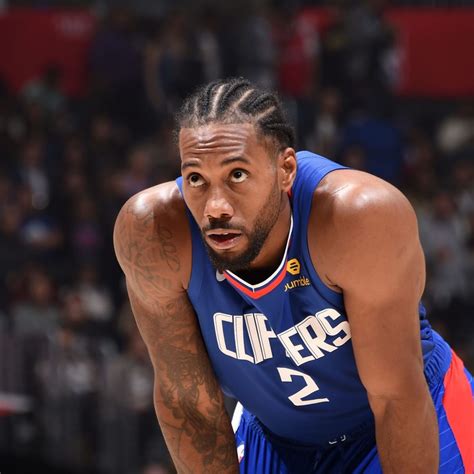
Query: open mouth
x,y
224,240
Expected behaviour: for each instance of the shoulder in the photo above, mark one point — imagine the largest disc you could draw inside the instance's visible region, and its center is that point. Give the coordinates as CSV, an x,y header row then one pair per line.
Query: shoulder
x,y
161,201
357,199
152,229
352,212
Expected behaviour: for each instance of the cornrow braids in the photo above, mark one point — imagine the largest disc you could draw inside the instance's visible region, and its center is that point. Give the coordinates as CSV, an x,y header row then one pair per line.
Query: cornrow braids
x,y
204,102
234,91
237,100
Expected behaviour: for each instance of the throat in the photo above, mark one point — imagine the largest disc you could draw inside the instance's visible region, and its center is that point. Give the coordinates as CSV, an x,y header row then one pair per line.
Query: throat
x,y
265,268
253,276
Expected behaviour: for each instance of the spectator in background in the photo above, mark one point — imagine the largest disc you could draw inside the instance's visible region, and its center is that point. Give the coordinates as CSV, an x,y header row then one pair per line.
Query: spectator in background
x,y
327,126
74,157
256,52
138,173
456,131
32,172
94,296
335,45
354,157
12,127
72,177
13,251
37,313
298,48
420,154
46,91
173,65
39,231
87,239
359,53
462,182
208,41
107,143
420,191
68,379
166,159
444,236
130,411
298,54
114,62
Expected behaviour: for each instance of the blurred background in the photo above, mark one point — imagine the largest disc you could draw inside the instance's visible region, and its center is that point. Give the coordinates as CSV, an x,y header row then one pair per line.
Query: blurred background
x,y
88,90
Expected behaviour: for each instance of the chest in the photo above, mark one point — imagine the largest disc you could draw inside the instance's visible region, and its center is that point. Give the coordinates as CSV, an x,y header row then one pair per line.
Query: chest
x,y
289,321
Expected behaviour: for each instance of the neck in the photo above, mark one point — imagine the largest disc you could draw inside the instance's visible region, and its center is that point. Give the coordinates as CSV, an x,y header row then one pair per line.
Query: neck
x,y
273,249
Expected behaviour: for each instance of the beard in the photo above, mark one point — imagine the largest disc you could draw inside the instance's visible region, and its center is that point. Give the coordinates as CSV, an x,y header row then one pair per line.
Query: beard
x,y
267,217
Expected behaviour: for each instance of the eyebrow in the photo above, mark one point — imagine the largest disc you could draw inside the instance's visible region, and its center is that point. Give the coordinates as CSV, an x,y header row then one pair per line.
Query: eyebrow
x,y
226,161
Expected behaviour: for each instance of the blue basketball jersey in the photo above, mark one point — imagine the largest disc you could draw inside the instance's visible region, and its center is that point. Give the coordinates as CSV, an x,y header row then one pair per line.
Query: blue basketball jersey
x,y
283,347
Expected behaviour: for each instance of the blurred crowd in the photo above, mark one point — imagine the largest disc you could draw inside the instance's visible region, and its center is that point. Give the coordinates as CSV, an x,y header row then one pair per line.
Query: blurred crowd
x,y
69,345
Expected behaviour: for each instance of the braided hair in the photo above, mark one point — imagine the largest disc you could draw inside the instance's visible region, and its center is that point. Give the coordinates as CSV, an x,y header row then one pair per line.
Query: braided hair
x,y
236,100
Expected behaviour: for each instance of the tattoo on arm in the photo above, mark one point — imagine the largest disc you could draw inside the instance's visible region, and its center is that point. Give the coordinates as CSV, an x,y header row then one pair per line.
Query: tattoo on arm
x,y
168,249
142,247
187,387
188,399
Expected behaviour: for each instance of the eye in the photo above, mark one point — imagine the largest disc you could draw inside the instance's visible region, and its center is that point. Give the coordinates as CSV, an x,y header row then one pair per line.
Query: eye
x,y
238,176
195,180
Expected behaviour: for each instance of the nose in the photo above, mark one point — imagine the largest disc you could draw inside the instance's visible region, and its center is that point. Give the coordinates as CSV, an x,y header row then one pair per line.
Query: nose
x,y
218,206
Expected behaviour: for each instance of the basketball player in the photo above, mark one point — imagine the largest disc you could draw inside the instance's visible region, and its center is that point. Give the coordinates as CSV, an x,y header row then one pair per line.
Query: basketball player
x,y
293,285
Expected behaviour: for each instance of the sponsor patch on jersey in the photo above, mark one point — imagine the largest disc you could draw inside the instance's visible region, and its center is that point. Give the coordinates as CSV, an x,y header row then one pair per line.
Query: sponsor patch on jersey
x,y
297,283
293,266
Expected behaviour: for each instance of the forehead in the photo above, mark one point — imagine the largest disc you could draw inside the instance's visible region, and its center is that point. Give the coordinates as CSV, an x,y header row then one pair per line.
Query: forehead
x,y
220,139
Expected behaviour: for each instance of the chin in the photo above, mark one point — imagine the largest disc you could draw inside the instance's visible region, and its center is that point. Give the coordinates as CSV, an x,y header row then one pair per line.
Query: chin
x,y
223,261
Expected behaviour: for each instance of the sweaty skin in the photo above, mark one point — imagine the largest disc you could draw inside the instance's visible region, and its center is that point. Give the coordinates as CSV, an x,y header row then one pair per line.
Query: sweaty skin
x,y
360,226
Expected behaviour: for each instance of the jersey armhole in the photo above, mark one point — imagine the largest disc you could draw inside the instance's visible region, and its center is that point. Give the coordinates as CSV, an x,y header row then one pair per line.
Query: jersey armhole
x,y
305,204
331,295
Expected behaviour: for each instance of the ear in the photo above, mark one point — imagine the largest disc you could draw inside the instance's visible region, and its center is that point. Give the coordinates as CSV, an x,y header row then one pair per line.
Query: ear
x,y
287,168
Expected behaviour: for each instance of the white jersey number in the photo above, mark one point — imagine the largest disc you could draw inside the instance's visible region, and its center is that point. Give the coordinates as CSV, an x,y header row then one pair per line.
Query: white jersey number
x,y
286,375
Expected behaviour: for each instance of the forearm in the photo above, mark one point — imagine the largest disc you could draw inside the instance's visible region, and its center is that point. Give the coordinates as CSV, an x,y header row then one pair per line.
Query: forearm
x,y
188,399
200,439
407,435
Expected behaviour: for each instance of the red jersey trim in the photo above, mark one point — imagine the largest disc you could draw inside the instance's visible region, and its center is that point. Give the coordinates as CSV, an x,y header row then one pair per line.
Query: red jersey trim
x,y
459,407
262,291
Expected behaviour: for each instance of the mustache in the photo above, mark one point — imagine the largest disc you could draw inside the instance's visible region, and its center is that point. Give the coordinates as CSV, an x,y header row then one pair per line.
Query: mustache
x,y
221,224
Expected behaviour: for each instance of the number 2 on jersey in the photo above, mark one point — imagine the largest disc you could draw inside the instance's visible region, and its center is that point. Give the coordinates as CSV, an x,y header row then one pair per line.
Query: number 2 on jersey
x,y
286,375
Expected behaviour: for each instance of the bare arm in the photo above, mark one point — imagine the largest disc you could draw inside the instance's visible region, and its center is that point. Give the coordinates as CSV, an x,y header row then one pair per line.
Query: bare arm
x,y
188,401
380,268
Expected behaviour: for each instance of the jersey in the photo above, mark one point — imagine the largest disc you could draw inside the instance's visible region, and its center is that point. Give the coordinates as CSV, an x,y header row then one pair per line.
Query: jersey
x,y
283,347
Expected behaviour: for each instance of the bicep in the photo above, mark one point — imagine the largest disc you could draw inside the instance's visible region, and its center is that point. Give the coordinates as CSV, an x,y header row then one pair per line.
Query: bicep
x,y
147,251
382,289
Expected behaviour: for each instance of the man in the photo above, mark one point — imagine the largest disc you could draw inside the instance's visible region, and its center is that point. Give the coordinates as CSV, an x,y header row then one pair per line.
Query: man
x,y
293,285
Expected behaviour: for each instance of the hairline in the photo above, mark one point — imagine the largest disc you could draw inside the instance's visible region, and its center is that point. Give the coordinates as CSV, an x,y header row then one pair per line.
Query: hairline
x,y
269,141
